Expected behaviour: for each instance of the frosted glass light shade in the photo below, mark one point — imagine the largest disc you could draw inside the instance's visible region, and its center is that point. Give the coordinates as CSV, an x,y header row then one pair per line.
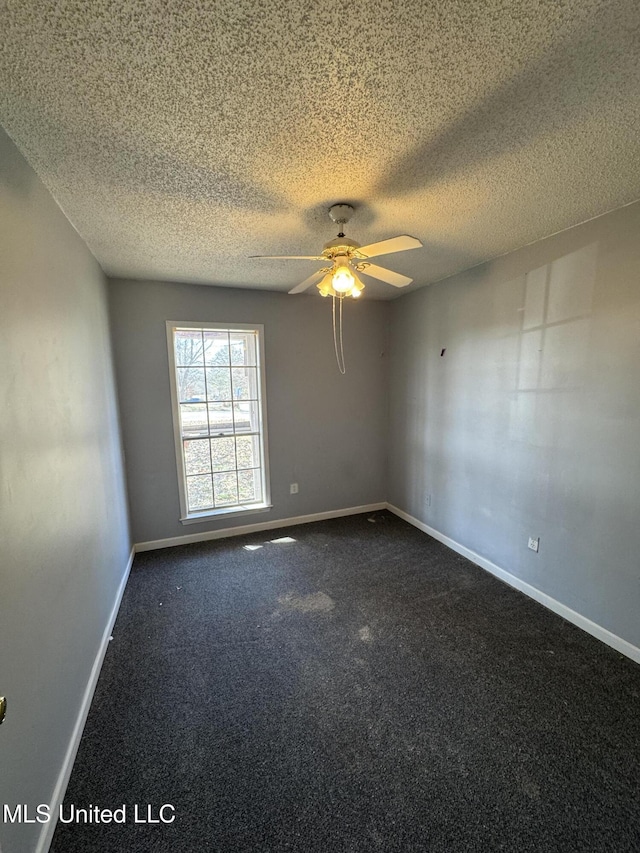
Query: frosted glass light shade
x,y
343,279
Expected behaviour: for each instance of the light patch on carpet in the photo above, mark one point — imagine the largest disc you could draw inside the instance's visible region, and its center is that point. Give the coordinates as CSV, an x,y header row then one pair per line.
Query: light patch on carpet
x,y
315,602
365,634
282,540
251,547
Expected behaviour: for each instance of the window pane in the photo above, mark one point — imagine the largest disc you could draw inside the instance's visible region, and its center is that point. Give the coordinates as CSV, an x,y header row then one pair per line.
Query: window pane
x,y
223,454
246,417
218,383
244,383
190,384
193,420
199,493
243,348
197,459
248,451
226,489
220,418
216,347
188,348
249,486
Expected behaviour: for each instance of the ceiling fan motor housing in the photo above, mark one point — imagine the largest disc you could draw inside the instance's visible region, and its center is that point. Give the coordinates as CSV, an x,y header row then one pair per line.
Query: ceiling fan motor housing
x,y
339,246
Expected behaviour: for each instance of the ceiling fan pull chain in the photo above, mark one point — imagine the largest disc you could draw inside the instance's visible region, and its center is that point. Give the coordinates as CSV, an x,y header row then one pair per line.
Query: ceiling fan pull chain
x,y
339,352
344,367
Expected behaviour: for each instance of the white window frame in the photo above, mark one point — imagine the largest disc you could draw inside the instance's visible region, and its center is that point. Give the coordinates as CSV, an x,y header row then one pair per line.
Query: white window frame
x,y
187,517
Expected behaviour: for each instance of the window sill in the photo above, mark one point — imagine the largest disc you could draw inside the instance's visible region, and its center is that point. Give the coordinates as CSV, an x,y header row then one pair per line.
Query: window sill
x,y
230,512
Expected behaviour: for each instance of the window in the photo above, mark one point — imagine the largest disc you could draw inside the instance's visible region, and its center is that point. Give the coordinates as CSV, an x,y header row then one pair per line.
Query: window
x,y
217,384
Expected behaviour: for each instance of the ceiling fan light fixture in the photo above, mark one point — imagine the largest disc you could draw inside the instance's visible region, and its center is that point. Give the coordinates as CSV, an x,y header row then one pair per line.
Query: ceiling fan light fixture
x,y
325,286
342,278
358,287
341,282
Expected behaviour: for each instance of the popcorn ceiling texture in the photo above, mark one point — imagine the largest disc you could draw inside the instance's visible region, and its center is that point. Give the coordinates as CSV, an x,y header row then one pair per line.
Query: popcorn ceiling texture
x,y
181,136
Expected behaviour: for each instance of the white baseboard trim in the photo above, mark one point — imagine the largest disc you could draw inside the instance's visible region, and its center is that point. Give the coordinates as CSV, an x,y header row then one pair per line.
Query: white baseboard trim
x,y
617,643
255,528
48,829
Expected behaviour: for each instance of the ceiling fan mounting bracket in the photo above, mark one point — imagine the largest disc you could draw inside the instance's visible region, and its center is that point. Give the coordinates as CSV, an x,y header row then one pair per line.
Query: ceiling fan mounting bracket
x,y
341,213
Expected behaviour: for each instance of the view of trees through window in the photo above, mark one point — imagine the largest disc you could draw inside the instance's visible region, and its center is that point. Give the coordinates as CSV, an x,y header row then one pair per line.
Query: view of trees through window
x,y
218,390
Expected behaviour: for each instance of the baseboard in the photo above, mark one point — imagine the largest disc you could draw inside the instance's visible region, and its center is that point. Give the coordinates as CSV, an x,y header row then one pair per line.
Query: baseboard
x,y
603,634
48,829
255,528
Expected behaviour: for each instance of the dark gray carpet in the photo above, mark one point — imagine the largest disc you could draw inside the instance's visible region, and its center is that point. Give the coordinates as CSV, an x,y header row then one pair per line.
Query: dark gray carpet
x,y
360,689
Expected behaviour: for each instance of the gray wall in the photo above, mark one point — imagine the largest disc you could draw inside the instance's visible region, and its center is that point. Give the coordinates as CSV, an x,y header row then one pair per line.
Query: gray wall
x,y
63,525
327,432
529,425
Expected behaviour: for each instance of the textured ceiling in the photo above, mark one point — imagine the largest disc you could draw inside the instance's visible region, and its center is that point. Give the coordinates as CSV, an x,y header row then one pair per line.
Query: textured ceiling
x,y
181,136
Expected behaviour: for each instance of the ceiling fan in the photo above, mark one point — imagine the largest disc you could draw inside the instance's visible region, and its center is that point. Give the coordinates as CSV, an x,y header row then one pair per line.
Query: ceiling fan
x,y
344,258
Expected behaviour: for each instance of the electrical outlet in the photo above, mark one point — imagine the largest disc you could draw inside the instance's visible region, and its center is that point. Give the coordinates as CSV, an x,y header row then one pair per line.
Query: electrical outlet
x,y
428,500
293,489
534,543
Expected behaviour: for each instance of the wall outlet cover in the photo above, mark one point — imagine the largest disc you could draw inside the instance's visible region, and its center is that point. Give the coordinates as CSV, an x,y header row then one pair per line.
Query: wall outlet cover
x,y
534,543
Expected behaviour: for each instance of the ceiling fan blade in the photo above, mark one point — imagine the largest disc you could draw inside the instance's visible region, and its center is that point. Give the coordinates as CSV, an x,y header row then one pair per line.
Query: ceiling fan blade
x,y
289,257
304,285
387,247
394,278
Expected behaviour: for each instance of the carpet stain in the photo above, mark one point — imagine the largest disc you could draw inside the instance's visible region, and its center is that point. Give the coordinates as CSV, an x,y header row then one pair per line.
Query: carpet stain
x,y
315,602
365,634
